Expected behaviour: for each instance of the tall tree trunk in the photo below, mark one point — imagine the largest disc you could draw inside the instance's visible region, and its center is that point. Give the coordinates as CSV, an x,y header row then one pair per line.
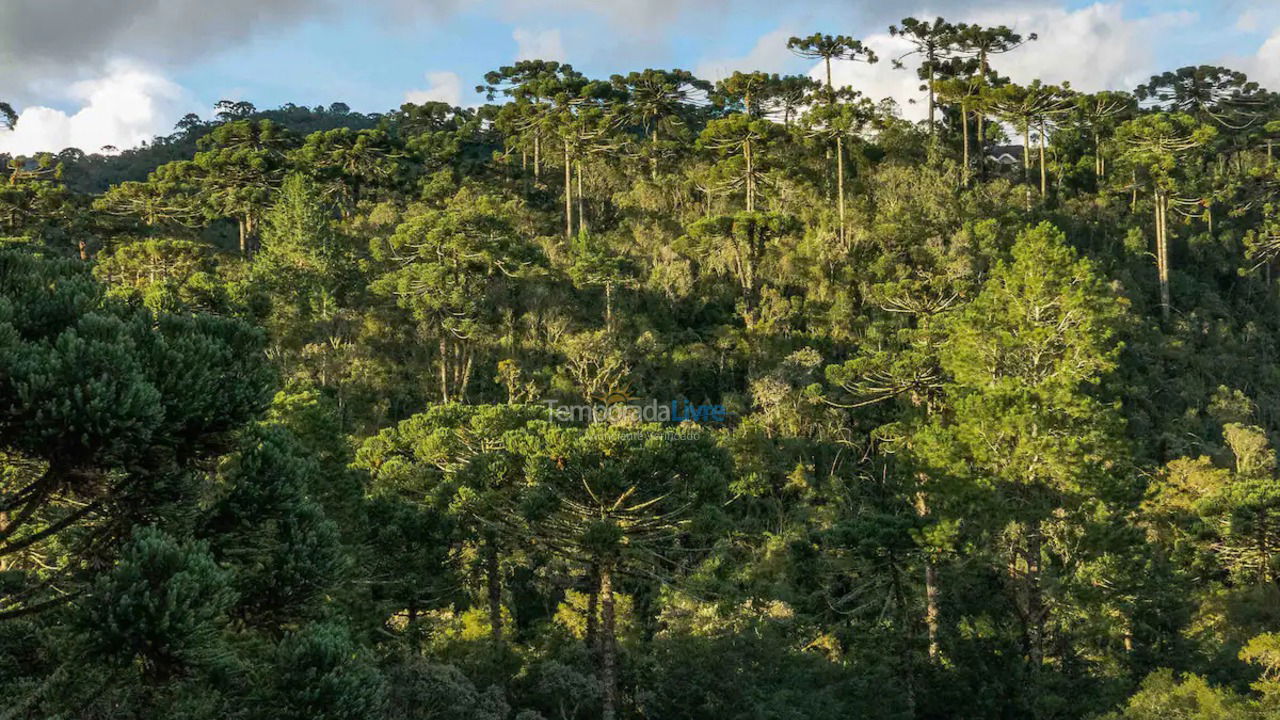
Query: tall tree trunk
x,y
1264,550
444,371
1097,157
582,216
1026,160
251,230
1034,598
831,99
493,581
982,143
1044,189
964,129
751,176
932,102
982,119
931,591
608,304
1162,250
568,194
592,634
537,158
608,644
840,184
653,152
464,377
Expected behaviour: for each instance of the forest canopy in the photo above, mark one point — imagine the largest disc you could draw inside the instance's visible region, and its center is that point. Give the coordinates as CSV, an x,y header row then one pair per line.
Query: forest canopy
x,y
647,396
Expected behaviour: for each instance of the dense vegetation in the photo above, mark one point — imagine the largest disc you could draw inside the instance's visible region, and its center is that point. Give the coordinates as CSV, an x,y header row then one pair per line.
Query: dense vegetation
x,y
971,439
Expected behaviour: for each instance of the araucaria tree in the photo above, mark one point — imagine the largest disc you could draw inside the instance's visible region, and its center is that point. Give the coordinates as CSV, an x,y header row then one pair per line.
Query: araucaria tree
x,y
650,395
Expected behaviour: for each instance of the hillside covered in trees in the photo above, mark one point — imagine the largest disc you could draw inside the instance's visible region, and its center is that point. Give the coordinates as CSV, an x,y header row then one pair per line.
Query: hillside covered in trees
x,y
650,397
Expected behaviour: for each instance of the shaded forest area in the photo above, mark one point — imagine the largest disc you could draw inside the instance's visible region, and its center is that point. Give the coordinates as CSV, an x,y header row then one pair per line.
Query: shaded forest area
x,y
999,424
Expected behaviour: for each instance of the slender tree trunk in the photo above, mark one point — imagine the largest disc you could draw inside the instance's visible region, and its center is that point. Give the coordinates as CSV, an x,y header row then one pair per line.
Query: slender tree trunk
x,y
839,154
1264,550
653,152
982,119
568,194
1026,159
493,581
1035,609
1097,157
582,216
251,228
964,130
444,371
932,102
932,614
592,634
244,237
608,646
608,304
840,184
751,176
464,378
1044,187
537,158
1162,250
982,143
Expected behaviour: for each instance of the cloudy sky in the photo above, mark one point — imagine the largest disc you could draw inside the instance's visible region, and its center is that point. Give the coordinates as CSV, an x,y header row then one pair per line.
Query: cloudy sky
x,y
88,73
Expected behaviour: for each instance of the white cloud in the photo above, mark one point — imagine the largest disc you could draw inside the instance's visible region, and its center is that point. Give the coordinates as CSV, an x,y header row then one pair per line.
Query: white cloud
x,y
538,45
770,54
1263,66
445,87
880,80
125,106
1094,48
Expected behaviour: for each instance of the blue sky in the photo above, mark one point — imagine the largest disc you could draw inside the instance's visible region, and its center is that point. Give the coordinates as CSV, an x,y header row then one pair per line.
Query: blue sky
x,y
95,72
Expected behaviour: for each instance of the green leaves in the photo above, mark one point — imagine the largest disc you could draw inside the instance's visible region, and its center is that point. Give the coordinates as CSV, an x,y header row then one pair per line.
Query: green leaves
x,y
611,492
1024,357
319,673
826,47
456,267
163,606
105,403
1043,322
1155,142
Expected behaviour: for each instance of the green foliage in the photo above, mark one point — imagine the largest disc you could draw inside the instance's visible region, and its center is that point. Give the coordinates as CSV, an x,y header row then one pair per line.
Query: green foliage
x,y
161,607
952,461
320,674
